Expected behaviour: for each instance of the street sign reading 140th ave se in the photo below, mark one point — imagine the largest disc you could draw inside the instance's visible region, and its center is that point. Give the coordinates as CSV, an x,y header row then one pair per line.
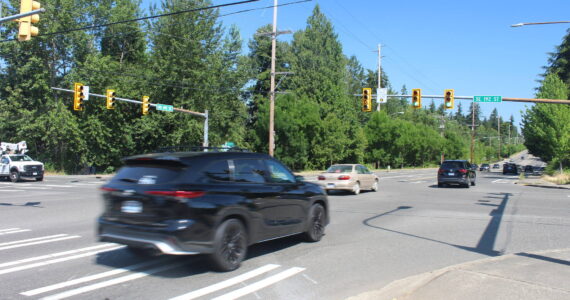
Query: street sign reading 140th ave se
x,y
487,98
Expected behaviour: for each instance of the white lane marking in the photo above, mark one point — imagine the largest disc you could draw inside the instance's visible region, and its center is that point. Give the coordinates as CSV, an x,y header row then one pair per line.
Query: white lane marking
x,y
15,184
53,255
13,190
40,242
226,283
260,284
37,188
34,239
390,177
56,185
15,231
111,282
8,229
54,261
50,288
310,279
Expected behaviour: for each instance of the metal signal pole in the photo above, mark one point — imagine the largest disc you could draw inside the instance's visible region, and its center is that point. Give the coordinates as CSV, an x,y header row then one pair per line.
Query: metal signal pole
x,y
472,130
379,75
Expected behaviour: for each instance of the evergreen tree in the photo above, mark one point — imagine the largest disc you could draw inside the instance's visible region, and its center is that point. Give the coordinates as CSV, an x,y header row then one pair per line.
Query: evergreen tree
x,y
559,61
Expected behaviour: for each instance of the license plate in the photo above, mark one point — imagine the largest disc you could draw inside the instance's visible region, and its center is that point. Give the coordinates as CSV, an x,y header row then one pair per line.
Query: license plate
x,y
330,185
131,207
451,174
35,173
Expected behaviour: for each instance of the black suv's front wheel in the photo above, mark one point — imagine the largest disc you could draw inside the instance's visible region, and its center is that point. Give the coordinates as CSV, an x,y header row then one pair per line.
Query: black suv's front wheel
x,y
316,220
230,245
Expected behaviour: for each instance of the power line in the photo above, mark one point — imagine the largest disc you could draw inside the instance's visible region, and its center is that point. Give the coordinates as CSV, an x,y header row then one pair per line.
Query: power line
x,y
143,18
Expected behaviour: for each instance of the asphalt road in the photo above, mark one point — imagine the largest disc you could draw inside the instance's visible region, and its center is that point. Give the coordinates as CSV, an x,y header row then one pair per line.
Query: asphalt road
x,y
48,247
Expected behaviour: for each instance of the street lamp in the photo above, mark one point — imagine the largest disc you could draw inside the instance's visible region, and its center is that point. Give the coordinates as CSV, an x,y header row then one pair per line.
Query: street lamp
x,y
538,23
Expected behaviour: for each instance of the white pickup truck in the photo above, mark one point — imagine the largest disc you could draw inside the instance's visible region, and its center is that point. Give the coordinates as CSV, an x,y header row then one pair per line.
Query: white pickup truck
x,y
14,164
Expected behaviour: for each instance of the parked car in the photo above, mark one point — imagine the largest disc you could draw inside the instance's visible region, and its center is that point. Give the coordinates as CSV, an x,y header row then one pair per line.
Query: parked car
x,y
528,169
214,203
510,168
348,177
457,172
485,167
496,166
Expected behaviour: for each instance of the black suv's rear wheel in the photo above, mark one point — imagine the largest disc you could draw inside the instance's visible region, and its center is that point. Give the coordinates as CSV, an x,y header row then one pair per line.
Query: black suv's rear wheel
x,y
230,245
316,222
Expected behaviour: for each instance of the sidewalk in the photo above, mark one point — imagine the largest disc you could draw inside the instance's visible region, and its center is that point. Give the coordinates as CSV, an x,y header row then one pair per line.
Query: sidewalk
x,y
538,182
532,276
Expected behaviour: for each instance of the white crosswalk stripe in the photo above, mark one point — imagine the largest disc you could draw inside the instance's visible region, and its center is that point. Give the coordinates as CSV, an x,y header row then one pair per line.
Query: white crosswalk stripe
x,y
14,231
36,241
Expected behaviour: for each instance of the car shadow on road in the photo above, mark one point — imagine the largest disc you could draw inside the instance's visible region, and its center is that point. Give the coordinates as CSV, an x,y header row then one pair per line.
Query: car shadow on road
x,y
486,242
27,204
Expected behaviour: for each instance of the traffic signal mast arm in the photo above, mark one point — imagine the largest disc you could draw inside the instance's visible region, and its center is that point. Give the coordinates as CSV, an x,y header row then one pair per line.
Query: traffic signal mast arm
x,y
553,101
134,101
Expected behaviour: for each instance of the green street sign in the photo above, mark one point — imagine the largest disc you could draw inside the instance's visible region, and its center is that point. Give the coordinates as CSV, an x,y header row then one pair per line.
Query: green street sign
x,y
165,107
487,98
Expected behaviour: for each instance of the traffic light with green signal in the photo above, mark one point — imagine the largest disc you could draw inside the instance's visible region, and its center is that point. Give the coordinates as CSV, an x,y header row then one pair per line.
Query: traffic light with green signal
x,y
449,99
110,99
145,105
417,98
78,96
26,30
366,99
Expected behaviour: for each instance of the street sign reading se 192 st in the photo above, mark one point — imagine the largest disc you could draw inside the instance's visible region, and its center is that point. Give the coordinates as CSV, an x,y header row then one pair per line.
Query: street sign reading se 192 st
x,y
487,98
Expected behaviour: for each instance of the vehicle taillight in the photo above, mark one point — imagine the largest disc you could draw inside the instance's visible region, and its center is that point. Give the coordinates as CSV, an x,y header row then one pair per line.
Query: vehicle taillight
x,y
108,189
440,171
321,177
177,194
344,177
462,171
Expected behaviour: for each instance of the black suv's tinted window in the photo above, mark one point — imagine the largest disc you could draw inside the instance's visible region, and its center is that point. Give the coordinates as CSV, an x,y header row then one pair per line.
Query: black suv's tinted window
x,y
249,170
218,171
278,173
453,165
147,174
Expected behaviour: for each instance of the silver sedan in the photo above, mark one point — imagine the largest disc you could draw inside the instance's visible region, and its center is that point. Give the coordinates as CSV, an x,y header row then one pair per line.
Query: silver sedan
x,y
348,177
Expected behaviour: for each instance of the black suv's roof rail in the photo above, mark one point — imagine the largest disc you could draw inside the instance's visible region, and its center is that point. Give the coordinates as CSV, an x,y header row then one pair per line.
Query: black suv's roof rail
x,y
183,148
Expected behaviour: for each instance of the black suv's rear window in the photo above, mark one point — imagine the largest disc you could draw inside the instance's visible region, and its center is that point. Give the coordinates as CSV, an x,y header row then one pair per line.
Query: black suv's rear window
x,y
147,174
453,165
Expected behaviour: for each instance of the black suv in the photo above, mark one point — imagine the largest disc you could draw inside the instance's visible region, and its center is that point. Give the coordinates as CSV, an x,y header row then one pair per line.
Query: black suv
x,y
456,172
215,203
510,168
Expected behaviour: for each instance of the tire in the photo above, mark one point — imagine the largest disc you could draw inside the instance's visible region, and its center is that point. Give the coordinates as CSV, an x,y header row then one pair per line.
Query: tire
x,y
40,178
473,183
375,186
316,223
14,176
466,185
356,188
230,246
439,185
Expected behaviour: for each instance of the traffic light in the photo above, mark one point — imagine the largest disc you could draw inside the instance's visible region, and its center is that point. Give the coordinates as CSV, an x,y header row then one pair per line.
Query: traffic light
x,y
26,30
366,99
110,99
145,105
449,99
417,98
78,96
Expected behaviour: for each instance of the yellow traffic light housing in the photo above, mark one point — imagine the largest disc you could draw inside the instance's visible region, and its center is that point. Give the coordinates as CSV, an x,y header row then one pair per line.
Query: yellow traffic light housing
x,y
145,105
26,30
110,99
449,99
366,99
78,96
417,98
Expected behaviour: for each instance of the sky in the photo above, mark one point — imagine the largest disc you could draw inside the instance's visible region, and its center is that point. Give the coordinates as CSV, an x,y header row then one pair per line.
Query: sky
x,y
468,46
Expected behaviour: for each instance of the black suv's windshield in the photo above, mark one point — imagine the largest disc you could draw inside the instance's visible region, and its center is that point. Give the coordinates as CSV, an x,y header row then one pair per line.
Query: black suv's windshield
x,y
20,158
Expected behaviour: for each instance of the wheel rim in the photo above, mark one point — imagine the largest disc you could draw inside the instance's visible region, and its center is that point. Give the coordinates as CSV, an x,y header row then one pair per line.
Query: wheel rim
x,y
356,188
13,175
318,223
375,186
232,245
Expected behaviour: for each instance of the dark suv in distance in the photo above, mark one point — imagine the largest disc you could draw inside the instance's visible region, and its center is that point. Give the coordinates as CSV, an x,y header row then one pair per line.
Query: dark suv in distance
x,y
456,172
485,167
215,203
510,168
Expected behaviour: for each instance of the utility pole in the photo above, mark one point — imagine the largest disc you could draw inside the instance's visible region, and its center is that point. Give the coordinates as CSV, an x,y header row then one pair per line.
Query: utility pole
x,y
379,75
472,130
499,130
272,90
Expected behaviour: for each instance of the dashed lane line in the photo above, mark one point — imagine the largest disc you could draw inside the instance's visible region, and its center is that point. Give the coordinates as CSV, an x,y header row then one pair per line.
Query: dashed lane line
x,y
226,283
8,229
53,255
15,231
260,284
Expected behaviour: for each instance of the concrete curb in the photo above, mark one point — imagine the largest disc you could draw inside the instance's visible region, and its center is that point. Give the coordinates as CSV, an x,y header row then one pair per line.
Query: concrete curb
x,y
407,288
